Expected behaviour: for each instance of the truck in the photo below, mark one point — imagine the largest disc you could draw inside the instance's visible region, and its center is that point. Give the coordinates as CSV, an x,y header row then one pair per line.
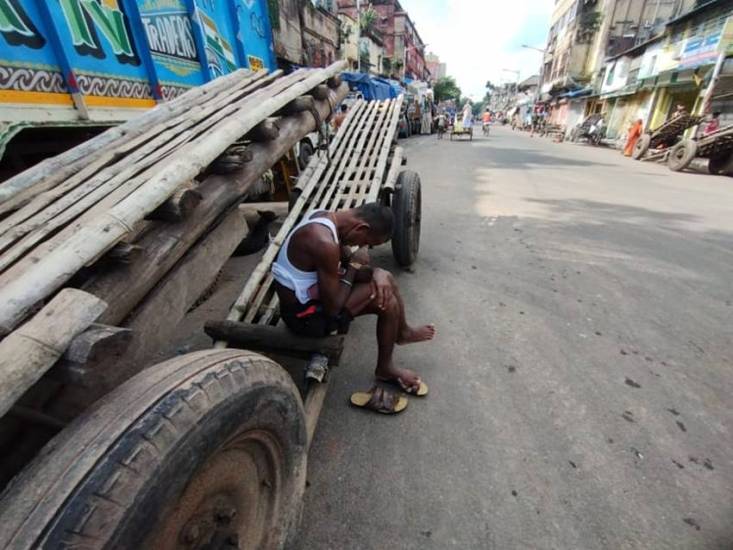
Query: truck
x,y
69,69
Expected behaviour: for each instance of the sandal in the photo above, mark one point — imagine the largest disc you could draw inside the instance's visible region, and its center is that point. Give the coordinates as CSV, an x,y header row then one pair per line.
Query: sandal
x,y
421,391
379,400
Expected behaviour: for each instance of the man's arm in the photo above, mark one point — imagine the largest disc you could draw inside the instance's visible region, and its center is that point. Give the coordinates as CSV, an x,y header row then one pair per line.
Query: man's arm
x,y
334,288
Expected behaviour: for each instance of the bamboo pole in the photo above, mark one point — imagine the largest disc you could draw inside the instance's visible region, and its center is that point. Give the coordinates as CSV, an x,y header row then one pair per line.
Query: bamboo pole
x,y
101,233
164,245
354,159
55,170
246,310
351,136
394,171
114,159
31,350
337,171
239,307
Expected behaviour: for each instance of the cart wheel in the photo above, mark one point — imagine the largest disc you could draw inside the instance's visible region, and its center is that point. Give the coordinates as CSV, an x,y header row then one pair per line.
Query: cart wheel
x,y
197,452
721,165
406,206
682,155
642,146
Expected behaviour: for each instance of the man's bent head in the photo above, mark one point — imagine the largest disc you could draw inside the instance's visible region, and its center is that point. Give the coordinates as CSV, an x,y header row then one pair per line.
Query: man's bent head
x,y
373,225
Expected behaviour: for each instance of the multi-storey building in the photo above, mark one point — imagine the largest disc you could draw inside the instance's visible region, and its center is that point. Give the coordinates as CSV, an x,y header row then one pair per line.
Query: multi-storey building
x,y
435,67
404,54
305,33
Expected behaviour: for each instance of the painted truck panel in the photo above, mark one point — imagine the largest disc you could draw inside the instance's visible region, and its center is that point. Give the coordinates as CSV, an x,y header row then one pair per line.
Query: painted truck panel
x,y
104,60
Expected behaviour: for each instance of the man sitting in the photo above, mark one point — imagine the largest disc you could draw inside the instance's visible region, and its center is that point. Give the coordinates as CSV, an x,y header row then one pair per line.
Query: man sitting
x,y
322,286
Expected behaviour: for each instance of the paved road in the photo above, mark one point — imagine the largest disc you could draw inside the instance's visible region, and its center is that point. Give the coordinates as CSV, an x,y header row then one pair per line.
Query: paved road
x,y
582,379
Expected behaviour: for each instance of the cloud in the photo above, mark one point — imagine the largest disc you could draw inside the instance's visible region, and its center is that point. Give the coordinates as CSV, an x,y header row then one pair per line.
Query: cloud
x,y
478,39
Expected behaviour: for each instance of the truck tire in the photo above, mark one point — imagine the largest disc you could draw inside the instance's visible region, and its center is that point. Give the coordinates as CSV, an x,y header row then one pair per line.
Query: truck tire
x,y
305,154
682,155
407,210
721,165
203,449
641,147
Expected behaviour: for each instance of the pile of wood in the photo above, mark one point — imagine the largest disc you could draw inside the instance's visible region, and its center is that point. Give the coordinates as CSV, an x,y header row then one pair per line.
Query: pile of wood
x,y
127,230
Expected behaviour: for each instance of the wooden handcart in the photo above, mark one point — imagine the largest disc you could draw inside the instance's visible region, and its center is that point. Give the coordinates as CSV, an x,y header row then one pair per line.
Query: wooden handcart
x,y
663,137
105,249
458,130
717,147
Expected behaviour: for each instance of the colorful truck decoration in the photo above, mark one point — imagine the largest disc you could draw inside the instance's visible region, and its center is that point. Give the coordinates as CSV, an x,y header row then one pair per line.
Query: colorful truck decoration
x,y
102,61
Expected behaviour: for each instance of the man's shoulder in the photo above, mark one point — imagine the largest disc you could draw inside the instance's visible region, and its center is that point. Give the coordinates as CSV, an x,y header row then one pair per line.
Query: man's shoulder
x,y
316,236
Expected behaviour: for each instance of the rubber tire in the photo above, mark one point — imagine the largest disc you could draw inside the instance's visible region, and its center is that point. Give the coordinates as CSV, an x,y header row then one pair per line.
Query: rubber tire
x,y
721,165
641,147
407,210
105,481
682,155
304,154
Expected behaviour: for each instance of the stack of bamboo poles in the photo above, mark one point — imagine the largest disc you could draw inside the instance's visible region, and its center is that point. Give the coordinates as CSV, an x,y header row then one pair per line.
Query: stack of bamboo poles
x,y
363,159
58,219
70,216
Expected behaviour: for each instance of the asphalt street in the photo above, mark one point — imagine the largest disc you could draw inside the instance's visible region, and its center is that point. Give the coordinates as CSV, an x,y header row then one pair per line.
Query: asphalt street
x,y
582,377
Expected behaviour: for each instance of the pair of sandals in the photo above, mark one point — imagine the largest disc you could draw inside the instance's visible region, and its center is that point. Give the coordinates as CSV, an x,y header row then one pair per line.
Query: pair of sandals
x,y
381,400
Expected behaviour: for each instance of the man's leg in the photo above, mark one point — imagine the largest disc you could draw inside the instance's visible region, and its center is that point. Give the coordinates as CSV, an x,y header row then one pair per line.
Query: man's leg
x,y
392,328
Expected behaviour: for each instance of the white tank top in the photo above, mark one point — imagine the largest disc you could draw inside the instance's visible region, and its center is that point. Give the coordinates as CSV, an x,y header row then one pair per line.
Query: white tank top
x,y
303,283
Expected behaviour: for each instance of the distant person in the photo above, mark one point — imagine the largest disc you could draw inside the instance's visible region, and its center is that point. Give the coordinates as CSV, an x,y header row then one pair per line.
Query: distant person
x,y
338,120
713,125
633,136
441,122
467,121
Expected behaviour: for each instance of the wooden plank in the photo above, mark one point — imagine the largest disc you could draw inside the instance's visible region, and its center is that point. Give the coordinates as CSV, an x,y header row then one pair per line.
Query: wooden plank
x,y
312,407
107,228
154,322
274,339
27,353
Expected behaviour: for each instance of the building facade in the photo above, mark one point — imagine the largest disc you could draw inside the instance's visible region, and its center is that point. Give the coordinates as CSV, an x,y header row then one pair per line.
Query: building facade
x,y
305,33
404,54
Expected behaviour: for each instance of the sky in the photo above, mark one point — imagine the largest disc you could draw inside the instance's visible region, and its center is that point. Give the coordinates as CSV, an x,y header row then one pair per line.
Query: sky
x,y
478,39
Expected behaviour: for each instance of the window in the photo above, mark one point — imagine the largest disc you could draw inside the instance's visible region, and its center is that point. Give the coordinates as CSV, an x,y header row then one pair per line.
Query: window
x,y
610,74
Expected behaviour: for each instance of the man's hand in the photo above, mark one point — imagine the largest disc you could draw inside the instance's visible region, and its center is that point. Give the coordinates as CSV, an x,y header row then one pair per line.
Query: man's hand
x,y
361,256
382,287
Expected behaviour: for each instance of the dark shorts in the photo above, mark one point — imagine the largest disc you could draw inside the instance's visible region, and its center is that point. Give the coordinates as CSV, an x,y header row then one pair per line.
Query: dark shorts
x,y
311,320
307,319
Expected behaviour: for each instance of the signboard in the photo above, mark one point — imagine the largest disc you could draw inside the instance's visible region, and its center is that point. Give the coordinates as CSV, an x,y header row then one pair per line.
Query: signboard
x,y
112,54
704,50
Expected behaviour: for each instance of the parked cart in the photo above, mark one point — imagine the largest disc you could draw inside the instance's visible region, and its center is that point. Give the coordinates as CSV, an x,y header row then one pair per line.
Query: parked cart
x,y
717,147
458,130
103,251
665,136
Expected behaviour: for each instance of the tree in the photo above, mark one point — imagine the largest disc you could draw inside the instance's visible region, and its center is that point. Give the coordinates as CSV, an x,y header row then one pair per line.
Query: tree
x,y
446,88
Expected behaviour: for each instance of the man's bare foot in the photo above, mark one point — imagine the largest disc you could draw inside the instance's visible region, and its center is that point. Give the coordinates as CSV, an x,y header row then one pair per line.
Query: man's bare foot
x,y
417,334
406,377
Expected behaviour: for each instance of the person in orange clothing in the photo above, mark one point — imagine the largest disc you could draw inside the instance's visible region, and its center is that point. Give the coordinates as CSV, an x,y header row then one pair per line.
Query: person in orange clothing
x,y
634,133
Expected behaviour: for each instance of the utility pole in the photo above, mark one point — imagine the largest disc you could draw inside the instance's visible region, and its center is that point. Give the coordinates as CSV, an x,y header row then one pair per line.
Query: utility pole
x,y
358,36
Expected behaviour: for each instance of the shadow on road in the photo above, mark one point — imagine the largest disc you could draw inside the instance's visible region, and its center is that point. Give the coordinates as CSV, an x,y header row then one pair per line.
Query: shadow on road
x,y
615,213
524,159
